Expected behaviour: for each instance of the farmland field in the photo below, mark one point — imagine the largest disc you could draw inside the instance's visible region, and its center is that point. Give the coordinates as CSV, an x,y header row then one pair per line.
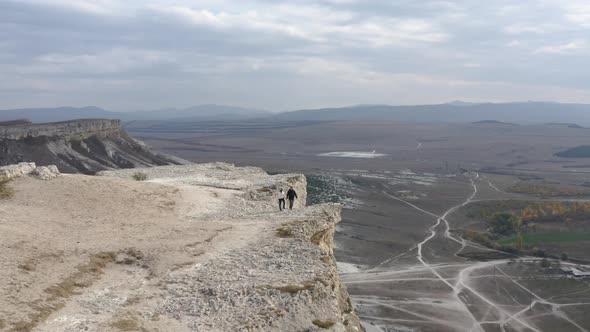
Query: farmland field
x,y
542,238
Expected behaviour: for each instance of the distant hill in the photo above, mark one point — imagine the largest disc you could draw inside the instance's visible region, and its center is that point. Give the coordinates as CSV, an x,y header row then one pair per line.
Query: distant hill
x,y
56,114
201,112
569,125
577,152
495,122
17,122
455,112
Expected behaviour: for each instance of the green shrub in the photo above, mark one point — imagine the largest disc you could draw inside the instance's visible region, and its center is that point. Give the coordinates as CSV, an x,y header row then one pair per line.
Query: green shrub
x,y
504,223
538,252
507,248
139,176
324,324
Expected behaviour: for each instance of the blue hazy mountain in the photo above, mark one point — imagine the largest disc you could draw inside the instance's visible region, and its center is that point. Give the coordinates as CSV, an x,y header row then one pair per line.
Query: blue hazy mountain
x,y
454,112
201,112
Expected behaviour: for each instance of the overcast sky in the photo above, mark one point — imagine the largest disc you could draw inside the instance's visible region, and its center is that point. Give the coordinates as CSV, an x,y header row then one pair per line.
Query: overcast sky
x,y
285,55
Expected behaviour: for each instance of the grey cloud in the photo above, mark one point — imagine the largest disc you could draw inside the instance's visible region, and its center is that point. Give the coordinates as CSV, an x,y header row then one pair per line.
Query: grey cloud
x,y
290,54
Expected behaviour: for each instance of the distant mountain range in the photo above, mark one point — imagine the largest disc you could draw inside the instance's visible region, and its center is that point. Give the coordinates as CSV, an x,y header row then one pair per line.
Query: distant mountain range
x,y
453,112
195,113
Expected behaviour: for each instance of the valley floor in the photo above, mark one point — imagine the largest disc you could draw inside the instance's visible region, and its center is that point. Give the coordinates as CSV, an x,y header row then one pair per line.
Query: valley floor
x,y
434,286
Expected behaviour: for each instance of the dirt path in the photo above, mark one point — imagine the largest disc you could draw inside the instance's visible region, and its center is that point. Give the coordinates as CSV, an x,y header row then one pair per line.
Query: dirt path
x,y
463,294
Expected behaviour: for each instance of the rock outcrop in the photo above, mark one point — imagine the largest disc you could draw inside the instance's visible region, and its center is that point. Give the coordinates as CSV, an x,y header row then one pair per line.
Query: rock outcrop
x,y
11,172
193,248
81,146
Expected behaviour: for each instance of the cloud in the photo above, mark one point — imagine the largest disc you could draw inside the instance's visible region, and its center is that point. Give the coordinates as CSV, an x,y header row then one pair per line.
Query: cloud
x,y
95,7
565,48
314,24
279,54
578,12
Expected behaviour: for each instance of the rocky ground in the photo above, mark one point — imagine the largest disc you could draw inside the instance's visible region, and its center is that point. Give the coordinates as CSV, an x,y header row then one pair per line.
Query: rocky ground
x,y
192,248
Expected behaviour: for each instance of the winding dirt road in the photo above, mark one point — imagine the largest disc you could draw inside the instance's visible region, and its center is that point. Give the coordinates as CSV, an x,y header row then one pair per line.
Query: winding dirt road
x,y
434,291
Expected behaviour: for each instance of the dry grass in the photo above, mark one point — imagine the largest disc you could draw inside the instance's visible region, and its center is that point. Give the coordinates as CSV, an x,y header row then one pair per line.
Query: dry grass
x,y
127,324
131,256
84,277
318,237
324,324
294,289
265,190
27,266
41,312
293,180
284,232
5,191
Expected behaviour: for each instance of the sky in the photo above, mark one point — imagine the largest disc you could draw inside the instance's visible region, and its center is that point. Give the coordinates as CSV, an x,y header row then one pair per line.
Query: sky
x,y
285,55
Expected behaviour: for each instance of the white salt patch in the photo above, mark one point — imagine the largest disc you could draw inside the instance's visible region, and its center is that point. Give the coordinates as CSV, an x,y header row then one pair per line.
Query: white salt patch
x,y
352,154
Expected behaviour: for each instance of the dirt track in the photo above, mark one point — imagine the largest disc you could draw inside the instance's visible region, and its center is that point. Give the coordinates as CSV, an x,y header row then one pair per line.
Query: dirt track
x,y
432,288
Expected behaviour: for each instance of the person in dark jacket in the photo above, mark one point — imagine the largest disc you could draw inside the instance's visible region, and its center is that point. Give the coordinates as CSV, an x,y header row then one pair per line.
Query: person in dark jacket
x,y
291,195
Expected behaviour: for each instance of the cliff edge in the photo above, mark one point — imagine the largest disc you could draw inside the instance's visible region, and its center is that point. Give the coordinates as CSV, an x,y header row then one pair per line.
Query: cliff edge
x,y
80,146
194,248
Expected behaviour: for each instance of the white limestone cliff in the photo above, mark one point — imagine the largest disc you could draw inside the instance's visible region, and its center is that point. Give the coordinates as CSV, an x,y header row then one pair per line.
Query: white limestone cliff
x,y
192,248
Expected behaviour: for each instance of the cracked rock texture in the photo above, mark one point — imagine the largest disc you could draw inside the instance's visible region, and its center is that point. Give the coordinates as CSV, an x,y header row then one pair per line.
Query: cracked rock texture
x,y
192,248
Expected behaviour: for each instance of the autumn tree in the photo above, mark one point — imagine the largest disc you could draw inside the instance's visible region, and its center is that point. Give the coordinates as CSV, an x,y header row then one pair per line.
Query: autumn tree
x,y
504,223
519,243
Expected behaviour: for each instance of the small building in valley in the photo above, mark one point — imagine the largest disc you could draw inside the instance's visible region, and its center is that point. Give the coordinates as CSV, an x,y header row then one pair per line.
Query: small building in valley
x,y
576,272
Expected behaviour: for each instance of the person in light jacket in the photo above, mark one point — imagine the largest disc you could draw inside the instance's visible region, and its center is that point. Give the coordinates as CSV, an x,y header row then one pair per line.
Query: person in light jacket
x,y
281,199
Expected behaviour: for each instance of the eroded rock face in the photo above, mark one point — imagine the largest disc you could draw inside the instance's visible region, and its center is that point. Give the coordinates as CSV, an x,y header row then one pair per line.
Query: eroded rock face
x,y
81,146
78,129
